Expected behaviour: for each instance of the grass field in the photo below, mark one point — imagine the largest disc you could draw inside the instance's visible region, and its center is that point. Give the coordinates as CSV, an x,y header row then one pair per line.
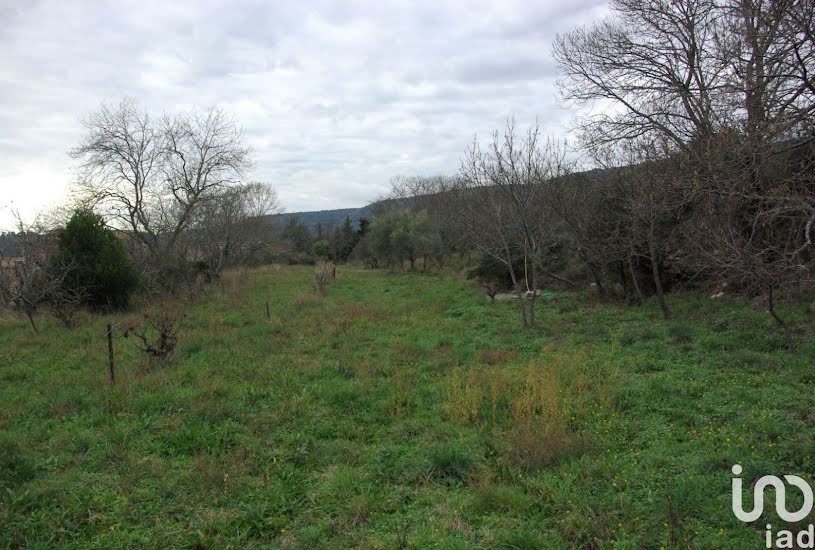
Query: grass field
x,y
401,411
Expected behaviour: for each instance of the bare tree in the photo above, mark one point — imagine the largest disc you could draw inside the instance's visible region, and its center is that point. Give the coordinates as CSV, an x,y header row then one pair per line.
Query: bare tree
x,y
151,176
588,220
755,226
649,64
33,280
769,50
232,226
758,178
261,200
260,203
504,206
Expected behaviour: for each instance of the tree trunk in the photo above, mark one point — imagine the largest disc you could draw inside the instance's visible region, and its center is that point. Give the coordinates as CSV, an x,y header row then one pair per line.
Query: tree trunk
x,y
623,279
634,281
666,313
31,320
522,301
596,276
784,326
517,286
533,270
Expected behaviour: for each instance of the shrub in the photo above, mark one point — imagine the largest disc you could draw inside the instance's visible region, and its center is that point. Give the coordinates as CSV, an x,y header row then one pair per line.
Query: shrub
x,y
158,333
100,268
493,274
321,248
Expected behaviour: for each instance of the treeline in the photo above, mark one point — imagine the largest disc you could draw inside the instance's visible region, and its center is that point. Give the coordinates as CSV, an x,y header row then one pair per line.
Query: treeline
x,y
298,244
704,155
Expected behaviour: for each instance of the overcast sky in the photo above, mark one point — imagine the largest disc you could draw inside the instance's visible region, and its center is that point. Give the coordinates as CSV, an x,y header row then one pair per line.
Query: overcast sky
x,y
336,97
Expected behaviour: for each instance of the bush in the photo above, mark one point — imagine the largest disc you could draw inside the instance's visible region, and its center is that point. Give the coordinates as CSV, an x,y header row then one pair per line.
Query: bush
x,y
99,267
490,271
321,248
157,333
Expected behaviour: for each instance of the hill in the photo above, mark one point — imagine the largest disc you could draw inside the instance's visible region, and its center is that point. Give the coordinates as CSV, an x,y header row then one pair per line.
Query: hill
x,y
334,218
327,218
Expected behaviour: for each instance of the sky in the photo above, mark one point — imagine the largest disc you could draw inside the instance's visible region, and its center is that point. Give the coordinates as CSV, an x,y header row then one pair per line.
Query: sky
x,y
335,97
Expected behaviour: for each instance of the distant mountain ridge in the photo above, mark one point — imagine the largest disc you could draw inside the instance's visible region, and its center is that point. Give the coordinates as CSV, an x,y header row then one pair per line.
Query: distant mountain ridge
x,y
328,219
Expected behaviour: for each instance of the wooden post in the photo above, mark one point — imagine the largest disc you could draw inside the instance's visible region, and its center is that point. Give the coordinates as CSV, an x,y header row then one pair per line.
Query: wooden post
x,y
110,355
268,315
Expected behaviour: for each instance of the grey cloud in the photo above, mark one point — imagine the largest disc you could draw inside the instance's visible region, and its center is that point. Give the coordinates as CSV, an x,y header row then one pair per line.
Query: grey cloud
x,y
336,97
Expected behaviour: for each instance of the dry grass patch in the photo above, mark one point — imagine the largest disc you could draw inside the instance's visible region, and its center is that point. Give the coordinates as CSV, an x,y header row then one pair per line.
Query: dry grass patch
x,y
306,299
532,407
476,394
538,431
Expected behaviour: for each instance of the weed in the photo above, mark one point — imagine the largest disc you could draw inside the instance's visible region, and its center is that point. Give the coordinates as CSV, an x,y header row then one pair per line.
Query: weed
x,y
538,433
475,394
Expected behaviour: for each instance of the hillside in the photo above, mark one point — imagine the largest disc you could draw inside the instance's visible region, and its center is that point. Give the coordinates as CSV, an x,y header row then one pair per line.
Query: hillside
x,y
327,218
335,218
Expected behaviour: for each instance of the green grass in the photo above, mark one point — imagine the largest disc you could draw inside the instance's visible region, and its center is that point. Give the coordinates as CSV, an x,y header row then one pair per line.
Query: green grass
x,y
397,413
